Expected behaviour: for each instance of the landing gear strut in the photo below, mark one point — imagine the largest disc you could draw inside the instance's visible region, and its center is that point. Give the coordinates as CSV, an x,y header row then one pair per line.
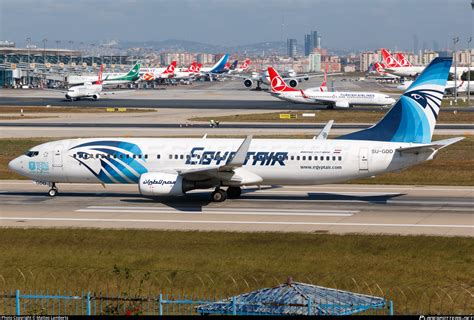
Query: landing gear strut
x,y
233,192
219,195
53,191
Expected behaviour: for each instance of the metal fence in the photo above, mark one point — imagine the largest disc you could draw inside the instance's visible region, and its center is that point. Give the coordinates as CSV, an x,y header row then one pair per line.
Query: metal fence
x,y
87,303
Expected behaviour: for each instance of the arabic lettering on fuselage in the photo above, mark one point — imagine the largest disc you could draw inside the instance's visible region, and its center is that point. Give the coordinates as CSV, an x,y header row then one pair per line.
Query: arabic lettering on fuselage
x,y
206,157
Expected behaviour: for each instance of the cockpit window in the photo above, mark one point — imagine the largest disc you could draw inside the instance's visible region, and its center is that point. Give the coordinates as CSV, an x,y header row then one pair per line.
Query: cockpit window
x,y
32,153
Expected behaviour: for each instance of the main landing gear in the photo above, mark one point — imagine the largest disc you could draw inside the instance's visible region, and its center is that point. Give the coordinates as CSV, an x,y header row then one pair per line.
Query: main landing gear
x,y
220,195
53,191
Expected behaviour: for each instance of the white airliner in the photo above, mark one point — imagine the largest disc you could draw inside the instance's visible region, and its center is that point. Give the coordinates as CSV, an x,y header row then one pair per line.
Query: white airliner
x,y
87,90
151,74
108,78
174,166
395,67
342,99
461,86
264,78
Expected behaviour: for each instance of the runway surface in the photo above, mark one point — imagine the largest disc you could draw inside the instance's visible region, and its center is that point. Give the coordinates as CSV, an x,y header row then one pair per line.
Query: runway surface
x,y
427,210
227,125
180,103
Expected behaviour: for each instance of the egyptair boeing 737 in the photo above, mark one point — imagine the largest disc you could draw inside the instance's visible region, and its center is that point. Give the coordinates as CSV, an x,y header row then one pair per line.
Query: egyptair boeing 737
x,y
174,166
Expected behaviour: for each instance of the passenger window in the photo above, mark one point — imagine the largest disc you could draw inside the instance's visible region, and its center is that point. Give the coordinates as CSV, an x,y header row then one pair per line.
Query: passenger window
x,y
146,156
333,158
328,158
181,157
176,157
292,157
121,156
74,156
298,158
171,157
304,158
310,158
340,158
188,157
115,156
128,156
158,156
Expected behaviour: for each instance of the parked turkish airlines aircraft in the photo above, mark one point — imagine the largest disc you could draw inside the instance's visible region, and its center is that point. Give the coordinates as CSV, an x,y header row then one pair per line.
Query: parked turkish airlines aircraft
x,y
380,69
402,60
394,67
243,67
174,166
151,74
187,73
342,99
461,86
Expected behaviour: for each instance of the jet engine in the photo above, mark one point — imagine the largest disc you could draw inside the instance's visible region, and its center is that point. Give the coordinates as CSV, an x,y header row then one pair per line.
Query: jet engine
x,y
96,97
293,83
160,184
170,184
248,83
342,104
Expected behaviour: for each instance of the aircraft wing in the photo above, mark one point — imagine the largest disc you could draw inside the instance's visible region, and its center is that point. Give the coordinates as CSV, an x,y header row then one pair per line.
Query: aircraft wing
x,y
231,171
108,93
307,76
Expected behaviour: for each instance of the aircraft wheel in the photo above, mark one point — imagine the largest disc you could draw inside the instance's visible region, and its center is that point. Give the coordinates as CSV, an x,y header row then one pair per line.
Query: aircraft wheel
x,y
53,192
219,195
234,192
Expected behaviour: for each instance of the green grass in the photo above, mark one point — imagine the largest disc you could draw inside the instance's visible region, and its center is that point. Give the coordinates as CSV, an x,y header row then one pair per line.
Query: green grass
x,y
453,166
339,116
148,262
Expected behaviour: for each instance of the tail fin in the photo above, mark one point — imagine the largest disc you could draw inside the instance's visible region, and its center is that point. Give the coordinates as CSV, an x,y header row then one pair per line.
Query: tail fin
x,y
99,77
135,70
413,117
245,65
389,60
198,67
192,67
277,84
171,67
323,86
219,66
402,60
234,65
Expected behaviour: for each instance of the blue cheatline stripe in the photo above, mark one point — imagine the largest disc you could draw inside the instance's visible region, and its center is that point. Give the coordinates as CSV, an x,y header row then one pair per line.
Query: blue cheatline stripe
x,y
221,64
114,174
127,146
133,163
130,175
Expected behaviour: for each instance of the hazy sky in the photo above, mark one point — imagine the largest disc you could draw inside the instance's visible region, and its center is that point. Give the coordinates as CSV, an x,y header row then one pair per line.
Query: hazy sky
x,y
345,24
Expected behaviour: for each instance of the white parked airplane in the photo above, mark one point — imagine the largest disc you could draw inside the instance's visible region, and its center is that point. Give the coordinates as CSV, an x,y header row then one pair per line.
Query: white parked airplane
x,y
151,74
173,166
461,86
86,90
342,99
108,78
395,67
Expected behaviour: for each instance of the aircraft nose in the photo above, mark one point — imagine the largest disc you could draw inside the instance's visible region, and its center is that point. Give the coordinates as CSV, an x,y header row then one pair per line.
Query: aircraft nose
x,y
16,165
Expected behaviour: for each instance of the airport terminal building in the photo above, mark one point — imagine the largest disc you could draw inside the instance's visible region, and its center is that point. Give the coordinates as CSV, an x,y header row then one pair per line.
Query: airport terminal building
x,y
38,66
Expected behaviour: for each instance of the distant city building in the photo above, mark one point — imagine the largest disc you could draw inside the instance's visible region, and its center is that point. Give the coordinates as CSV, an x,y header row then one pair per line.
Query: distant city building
x,y
367,58
314,62
311,41
7,44
428,56
308,44
291,47
349,68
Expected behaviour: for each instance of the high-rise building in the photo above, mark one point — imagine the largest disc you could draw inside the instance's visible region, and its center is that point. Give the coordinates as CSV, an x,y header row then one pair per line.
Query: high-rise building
x,y
314,34
318,42
308,44
314,62
291,47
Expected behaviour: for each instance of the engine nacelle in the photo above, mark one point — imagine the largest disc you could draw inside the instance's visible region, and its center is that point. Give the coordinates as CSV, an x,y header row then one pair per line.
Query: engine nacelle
x,y
96,97
160,184
293,83
248,83
342,104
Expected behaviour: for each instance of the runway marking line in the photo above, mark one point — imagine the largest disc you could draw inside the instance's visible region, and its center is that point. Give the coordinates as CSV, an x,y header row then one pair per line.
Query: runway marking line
x,y
390,225
217,211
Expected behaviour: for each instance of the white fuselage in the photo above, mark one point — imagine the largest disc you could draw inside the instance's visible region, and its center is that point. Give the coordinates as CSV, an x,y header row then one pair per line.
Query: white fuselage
x,y
413,71
112,79
276,161
340,99
87,90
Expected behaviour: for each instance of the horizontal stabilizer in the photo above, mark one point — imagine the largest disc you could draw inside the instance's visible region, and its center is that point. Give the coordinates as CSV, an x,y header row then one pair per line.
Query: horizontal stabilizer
x,y
436,145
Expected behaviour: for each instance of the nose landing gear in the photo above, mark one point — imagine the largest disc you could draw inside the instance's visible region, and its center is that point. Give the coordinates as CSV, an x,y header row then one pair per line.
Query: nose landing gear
x,y
53,191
